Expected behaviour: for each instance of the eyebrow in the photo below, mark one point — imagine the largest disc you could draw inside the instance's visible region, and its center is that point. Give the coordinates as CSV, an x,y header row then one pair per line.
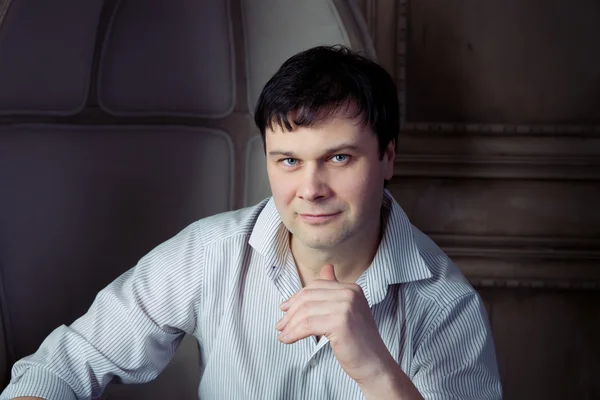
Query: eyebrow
x,y
331,150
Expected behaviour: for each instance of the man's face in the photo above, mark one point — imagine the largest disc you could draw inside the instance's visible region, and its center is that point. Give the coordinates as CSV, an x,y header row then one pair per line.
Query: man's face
x,y
327,180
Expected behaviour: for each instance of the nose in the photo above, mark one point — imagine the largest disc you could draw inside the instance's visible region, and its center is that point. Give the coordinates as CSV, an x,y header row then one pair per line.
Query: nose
x,y
313,186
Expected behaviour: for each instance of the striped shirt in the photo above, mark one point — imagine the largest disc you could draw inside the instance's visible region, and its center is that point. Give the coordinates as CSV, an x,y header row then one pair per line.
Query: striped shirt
x,y
222,280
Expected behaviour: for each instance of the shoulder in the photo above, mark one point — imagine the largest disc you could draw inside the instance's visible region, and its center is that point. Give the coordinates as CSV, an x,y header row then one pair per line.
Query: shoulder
x,y
448,286
191,243
229,225
452,336
446,303
219,227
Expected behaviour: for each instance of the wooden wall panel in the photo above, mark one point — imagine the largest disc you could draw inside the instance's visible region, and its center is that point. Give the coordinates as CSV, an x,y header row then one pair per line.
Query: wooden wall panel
x,y
546,342
381,19
499,162
501,206
515,61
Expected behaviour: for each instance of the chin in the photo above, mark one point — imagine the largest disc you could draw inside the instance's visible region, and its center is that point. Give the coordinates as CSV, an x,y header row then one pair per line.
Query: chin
x,y
320,245
321,237
320,242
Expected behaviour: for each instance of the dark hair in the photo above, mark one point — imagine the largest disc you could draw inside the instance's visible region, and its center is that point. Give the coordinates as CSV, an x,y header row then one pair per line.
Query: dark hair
x,y
327,81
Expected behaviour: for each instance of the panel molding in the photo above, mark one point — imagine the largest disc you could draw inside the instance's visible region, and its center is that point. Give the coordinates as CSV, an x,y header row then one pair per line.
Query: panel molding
x,y
531,262
4,5
492,128
402,15
369,9
542,284
497,167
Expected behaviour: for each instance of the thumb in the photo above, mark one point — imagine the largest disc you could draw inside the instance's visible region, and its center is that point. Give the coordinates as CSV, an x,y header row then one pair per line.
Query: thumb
x,y
327,273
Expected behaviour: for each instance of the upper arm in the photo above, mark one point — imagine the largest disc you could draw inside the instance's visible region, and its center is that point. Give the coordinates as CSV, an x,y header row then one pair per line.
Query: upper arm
x,y
130,332
456,359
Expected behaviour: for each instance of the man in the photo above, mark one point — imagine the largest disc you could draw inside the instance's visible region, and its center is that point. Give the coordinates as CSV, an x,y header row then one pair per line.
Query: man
x,y
323,291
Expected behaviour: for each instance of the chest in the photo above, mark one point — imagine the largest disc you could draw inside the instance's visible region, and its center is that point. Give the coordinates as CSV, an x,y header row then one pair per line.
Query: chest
x,y
242,357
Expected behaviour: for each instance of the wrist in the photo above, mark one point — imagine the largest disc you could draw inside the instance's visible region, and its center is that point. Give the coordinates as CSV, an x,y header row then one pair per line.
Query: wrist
x,y
390,383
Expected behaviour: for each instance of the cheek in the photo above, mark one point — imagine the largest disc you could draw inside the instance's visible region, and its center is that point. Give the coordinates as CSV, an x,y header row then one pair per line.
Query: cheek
x,y
357,182
282,186
362,189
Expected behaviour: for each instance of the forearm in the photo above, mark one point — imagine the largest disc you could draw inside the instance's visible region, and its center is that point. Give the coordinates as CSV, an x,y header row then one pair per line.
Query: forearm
x,y
78,361
31,380
391,384
28,398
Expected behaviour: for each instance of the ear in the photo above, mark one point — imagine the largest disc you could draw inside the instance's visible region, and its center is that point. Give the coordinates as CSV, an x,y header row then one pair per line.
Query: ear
x,y
389,157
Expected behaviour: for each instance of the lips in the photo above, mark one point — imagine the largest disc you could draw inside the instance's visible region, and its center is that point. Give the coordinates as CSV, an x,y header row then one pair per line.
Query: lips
x,y
317,214
318,218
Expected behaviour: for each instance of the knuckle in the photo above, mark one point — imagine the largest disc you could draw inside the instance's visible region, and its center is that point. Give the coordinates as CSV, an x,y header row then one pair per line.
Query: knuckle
x,y
304,294
307,323
344,318
349,294
356,288
304,307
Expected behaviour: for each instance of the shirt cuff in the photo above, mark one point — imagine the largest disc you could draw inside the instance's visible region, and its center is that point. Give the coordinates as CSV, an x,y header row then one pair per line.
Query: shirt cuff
x,y
37,382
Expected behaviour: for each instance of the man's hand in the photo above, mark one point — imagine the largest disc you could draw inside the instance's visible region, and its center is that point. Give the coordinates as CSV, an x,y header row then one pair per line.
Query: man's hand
x,y
28,398
340,312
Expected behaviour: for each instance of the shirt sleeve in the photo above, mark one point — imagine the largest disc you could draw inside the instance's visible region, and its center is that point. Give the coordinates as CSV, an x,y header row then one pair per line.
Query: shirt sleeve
x,y
456,359
130,332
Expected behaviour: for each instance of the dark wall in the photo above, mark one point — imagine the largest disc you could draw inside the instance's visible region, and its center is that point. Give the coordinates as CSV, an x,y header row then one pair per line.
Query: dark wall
x,y
499,161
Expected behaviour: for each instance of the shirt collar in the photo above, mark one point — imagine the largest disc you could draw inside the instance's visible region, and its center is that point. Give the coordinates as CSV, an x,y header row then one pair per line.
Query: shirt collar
x,y
397,260
270,237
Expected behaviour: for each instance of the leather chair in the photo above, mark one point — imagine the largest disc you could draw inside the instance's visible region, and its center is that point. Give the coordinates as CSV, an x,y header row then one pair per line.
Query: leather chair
x,y
121,122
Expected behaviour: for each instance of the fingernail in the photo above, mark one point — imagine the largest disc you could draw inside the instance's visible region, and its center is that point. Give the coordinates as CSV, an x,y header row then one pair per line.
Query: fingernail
x,y
284,305
278,324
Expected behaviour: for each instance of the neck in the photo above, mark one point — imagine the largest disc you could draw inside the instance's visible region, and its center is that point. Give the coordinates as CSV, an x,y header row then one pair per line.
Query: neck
x,y
349,259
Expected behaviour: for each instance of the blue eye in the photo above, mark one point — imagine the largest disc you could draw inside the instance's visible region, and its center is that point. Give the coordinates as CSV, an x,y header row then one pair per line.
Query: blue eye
x,y
340,158
289,162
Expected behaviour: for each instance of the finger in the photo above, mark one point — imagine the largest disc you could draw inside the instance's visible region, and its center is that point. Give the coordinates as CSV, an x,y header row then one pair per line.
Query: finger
x,y
328,273
320,284
308,297
315,325
315,318
317,284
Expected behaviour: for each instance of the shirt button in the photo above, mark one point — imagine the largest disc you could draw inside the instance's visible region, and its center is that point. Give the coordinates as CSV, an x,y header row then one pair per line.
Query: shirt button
x,y
312,363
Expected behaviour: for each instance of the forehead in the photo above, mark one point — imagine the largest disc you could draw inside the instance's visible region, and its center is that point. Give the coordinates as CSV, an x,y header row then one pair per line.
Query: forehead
x,y
321,135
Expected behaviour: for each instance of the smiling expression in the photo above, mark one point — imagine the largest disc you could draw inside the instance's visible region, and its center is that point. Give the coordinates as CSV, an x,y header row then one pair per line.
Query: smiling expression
x,y
327,180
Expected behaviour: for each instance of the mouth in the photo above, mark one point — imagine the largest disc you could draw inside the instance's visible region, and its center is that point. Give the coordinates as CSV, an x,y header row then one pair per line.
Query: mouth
x,y
318,219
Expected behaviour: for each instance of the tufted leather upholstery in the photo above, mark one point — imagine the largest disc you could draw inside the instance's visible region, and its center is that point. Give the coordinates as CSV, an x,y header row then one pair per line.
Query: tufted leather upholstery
x,y
121,122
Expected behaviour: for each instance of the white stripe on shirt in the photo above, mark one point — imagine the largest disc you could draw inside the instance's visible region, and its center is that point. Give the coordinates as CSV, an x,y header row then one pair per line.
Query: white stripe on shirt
x,y
222,280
